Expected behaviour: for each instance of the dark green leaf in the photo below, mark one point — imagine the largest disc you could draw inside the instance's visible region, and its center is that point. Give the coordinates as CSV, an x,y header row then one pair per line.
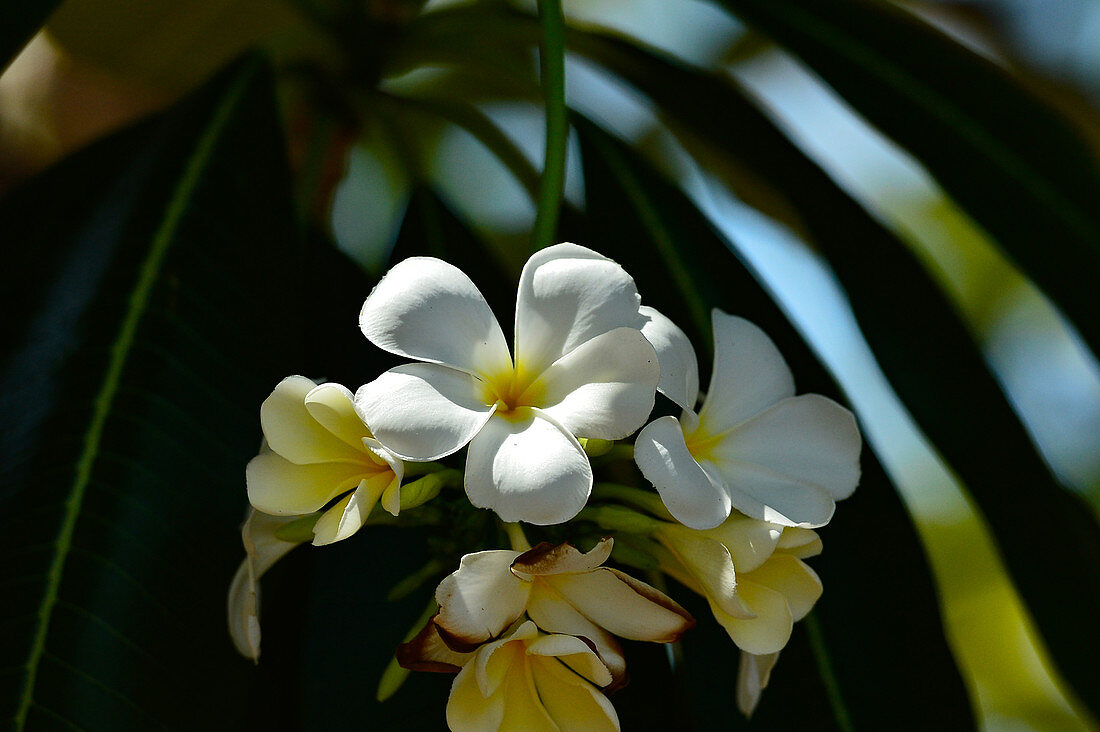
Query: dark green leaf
x,y
22,19
996,148
875,574
156,295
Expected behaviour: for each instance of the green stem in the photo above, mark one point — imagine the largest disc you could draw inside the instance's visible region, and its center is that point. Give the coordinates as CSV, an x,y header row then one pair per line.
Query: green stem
x,y
409,584
622,451
552,77
828,675
635,497
415,470
619,518
516,536
394,675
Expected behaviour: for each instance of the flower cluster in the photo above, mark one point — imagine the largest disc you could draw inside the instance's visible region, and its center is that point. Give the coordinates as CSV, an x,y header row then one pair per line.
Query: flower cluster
x,y
533,634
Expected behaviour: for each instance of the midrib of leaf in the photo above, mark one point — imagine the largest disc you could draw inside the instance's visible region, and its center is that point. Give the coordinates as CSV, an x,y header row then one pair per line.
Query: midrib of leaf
x,y
936,105
120,351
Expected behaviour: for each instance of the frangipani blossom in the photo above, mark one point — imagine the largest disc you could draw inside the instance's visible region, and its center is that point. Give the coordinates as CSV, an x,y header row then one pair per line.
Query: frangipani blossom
x,y
751,573
753,446
318,449
582,368
563,591
526,681
262,549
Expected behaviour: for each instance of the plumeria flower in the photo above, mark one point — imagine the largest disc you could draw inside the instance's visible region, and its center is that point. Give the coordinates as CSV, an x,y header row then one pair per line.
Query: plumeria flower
x,y
754,445
563,591
262,549
582,368
526,681
751,573
317,450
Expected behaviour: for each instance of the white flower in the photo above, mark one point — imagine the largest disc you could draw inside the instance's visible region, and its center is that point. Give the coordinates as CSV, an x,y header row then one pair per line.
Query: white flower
x,y
526,681
319,449
753,446
262,549
563,591
751,573
582,369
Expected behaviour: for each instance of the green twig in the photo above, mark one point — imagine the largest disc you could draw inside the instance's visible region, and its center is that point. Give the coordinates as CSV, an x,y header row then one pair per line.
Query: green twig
x,y
552,76
516,536
636,497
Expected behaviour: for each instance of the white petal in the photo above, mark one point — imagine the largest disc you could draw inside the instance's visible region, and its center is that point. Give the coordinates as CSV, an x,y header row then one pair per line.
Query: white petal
x,y
679,366
429,310
792,577
603,388
769,496
692,497
750,542
527,467
749,374
752,677
567,295
331,406
808,438
481,598
280,487
423,411
291,431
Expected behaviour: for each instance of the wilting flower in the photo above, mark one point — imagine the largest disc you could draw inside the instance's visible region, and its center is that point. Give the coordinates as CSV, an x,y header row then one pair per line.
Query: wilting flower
x,y
582,368
751,573
753,446
563,591
262,549
524,682
319,449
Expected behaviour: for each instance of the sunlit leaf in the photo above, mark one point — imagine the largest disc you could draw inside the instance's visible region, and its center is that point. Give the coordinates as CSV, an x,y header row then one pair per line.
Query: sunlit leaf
x,y
1016,166
22,19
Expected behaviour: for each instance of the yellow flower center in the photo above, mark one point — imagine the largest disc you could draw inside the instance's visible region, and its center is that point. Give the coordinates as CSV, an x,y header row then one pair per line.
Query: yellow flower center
x,y
512,390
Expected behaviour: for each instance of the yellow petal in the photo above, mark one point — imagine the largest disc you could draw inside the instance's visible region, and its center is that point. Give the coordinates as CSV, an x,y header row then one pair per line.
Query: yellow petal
x,y
572,703
791,577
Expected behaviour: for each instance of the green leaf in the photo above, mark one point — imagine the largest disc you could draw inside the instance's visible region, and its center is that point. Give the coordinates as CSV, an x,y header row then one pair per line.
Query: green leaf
x,y
22,19
936,368
152,319
876,577
1016,166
